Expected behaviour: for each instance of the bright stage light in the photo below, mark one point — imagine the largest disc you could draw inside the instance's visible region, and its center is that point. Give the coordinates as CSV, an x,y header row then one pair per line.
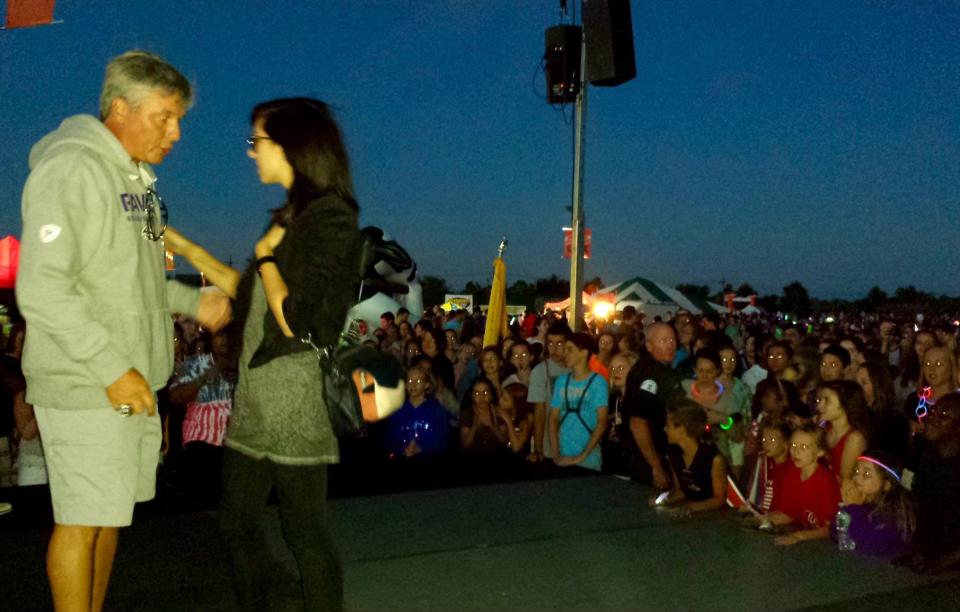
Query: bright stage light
x,y
602,310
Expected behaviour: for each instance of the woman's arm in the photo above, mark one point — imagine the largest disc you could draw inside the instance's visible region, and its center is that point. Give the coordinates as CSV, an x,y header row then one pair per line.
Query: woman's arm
x,y
675,495
274,286
468,431
516,439
779,518
221,275
184,393
523,436
856,444
820,533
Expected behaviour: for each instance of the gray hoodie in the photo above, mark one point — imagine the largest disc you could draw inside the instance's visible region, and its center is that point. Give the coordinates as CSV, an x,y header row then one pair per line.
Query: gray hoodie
x,y
92,289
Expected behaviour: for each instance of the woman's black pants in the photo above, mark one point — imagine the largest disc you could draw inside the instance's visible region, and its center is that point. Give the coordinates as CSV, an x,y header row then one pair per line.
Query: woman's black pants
x,y
302,493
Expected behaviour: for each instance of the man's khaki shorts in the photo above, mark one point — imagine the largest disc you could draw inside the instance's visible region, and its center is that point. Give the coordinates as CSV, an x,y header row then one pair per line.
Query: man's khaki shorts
x,y
99,463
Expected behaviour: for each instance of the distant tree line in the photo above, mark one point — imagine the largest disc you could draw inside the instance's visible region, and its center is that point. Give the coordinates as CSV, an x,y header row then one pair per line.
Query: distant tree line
x,y
794,298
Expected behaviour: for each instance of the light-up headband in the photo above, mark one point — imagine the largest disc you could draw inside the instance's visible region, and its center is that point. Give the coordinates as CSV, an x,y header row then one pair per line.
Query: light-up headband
x,y
889,469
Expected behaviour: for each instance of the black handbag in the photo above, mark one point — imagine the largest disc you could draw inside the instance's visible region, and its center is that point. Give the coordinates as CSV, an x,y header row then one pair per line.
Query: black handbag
x,y
360,384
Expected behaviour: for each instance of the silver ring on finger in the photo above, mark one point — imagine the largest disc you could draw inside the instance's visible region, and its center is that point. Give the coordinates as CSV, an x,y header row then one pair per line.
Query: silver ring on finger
x,y
125,410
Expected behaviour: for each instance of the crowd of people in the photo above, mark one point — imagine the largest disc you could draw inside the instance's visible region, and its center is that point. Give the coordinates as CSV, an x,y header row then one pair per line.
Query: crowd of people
x,y
847,430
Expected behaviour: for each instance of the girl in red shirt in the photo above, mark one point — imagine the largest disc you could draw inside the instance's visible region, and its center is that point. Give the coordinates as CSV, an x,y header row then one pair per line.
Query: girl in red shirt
x,y
766,482
810,493
841,405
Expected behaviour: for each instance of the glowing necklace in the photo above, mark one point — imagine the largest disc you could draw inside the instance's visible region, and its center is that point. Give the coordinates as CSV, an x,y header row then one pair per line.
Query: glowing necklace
x,y
922,405
726,425
696,392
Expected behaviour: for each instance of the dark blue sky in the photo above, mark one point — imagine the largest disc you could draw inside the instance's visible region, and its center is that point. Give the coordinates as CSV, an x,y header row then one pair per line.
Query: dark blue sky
x,y
761,141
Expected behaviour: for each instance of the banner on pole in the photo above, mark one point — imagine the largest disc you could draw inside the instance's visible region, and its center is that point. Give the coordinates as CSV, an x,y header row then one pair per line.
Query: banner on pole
x,y
568,242
29,13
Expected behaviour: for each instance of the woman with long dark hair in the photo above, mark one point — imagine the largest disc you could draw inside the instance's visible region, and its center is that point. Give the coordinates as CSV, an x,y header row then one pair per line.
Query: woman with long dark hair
x,y
891,429
300,286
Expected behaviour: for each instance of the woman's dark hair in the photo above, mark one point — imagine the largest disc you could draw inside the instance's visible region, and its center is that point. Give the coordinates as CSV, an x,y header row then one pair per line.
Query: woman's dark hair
x,y
839,352
613,337
785,345
633,344
910,373
467,329
410,342
895,505
690,416
781,426
559,328
850,396
710,355
494,392
806,363
882,383
584,342
518,393
314,148
818,433
738,369
439,338
492,350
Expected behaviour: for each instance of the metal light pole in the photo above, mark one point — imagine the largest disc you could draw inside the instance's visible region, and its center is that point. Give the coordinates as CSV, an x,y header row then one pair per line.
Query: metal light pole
x,y
575,315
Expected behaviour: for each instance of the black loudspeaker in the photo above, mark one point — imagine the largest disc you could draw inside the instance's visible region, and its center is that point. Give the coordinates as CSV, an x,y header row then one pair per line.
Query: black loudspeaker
x,y
608,28
562,63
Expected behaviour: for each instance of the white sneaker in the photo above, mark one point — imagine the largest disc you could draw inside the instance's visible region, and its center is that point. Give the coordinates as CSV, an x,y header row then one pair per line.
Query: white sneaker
x,y
5,507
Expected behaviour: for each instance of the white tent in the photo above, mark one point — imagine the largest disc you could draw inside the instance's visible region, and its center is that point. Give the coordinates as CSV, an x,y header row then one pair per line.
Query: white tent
x,y
646,296
654,299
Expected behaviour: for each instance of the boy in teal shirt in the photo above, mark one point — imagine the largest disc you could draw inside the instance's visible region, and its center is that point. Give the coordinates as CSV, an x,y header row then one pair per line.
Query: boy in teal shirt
x,y
578,415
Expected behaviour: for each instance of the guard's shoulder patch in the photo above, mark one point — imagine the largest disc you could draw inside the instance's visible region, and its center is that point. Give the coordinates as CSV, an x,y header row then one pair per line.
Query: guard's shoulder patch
x,y
49,233
649,385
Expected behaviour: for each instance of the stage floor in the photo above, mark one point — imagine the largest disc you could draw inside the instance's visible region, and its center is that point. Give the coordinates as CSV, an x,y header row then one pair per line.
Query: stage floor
x,y
572,544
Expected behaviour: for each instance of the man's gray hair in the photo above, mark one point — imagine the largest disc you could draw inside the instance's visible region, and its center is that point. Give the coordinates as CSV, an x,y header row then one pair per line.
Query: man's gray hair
x,y
135,74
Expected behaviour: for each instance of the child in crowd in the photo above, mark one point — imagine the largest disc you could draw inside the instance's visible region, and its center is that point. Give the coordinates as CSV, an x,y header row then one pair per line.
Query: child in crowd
x,y
882,517
717,402
770,404
699,471
616,456
205,386
742,399
766,481
834,362
517,416
841,406
578,416
543,379
521,362
420,427
480,427
810,492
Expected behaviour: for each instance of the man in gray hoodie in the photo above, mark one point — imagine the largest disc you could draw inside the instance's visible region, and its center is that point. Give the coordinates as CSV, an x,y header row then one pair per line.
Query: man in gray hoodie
x,y
98,307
